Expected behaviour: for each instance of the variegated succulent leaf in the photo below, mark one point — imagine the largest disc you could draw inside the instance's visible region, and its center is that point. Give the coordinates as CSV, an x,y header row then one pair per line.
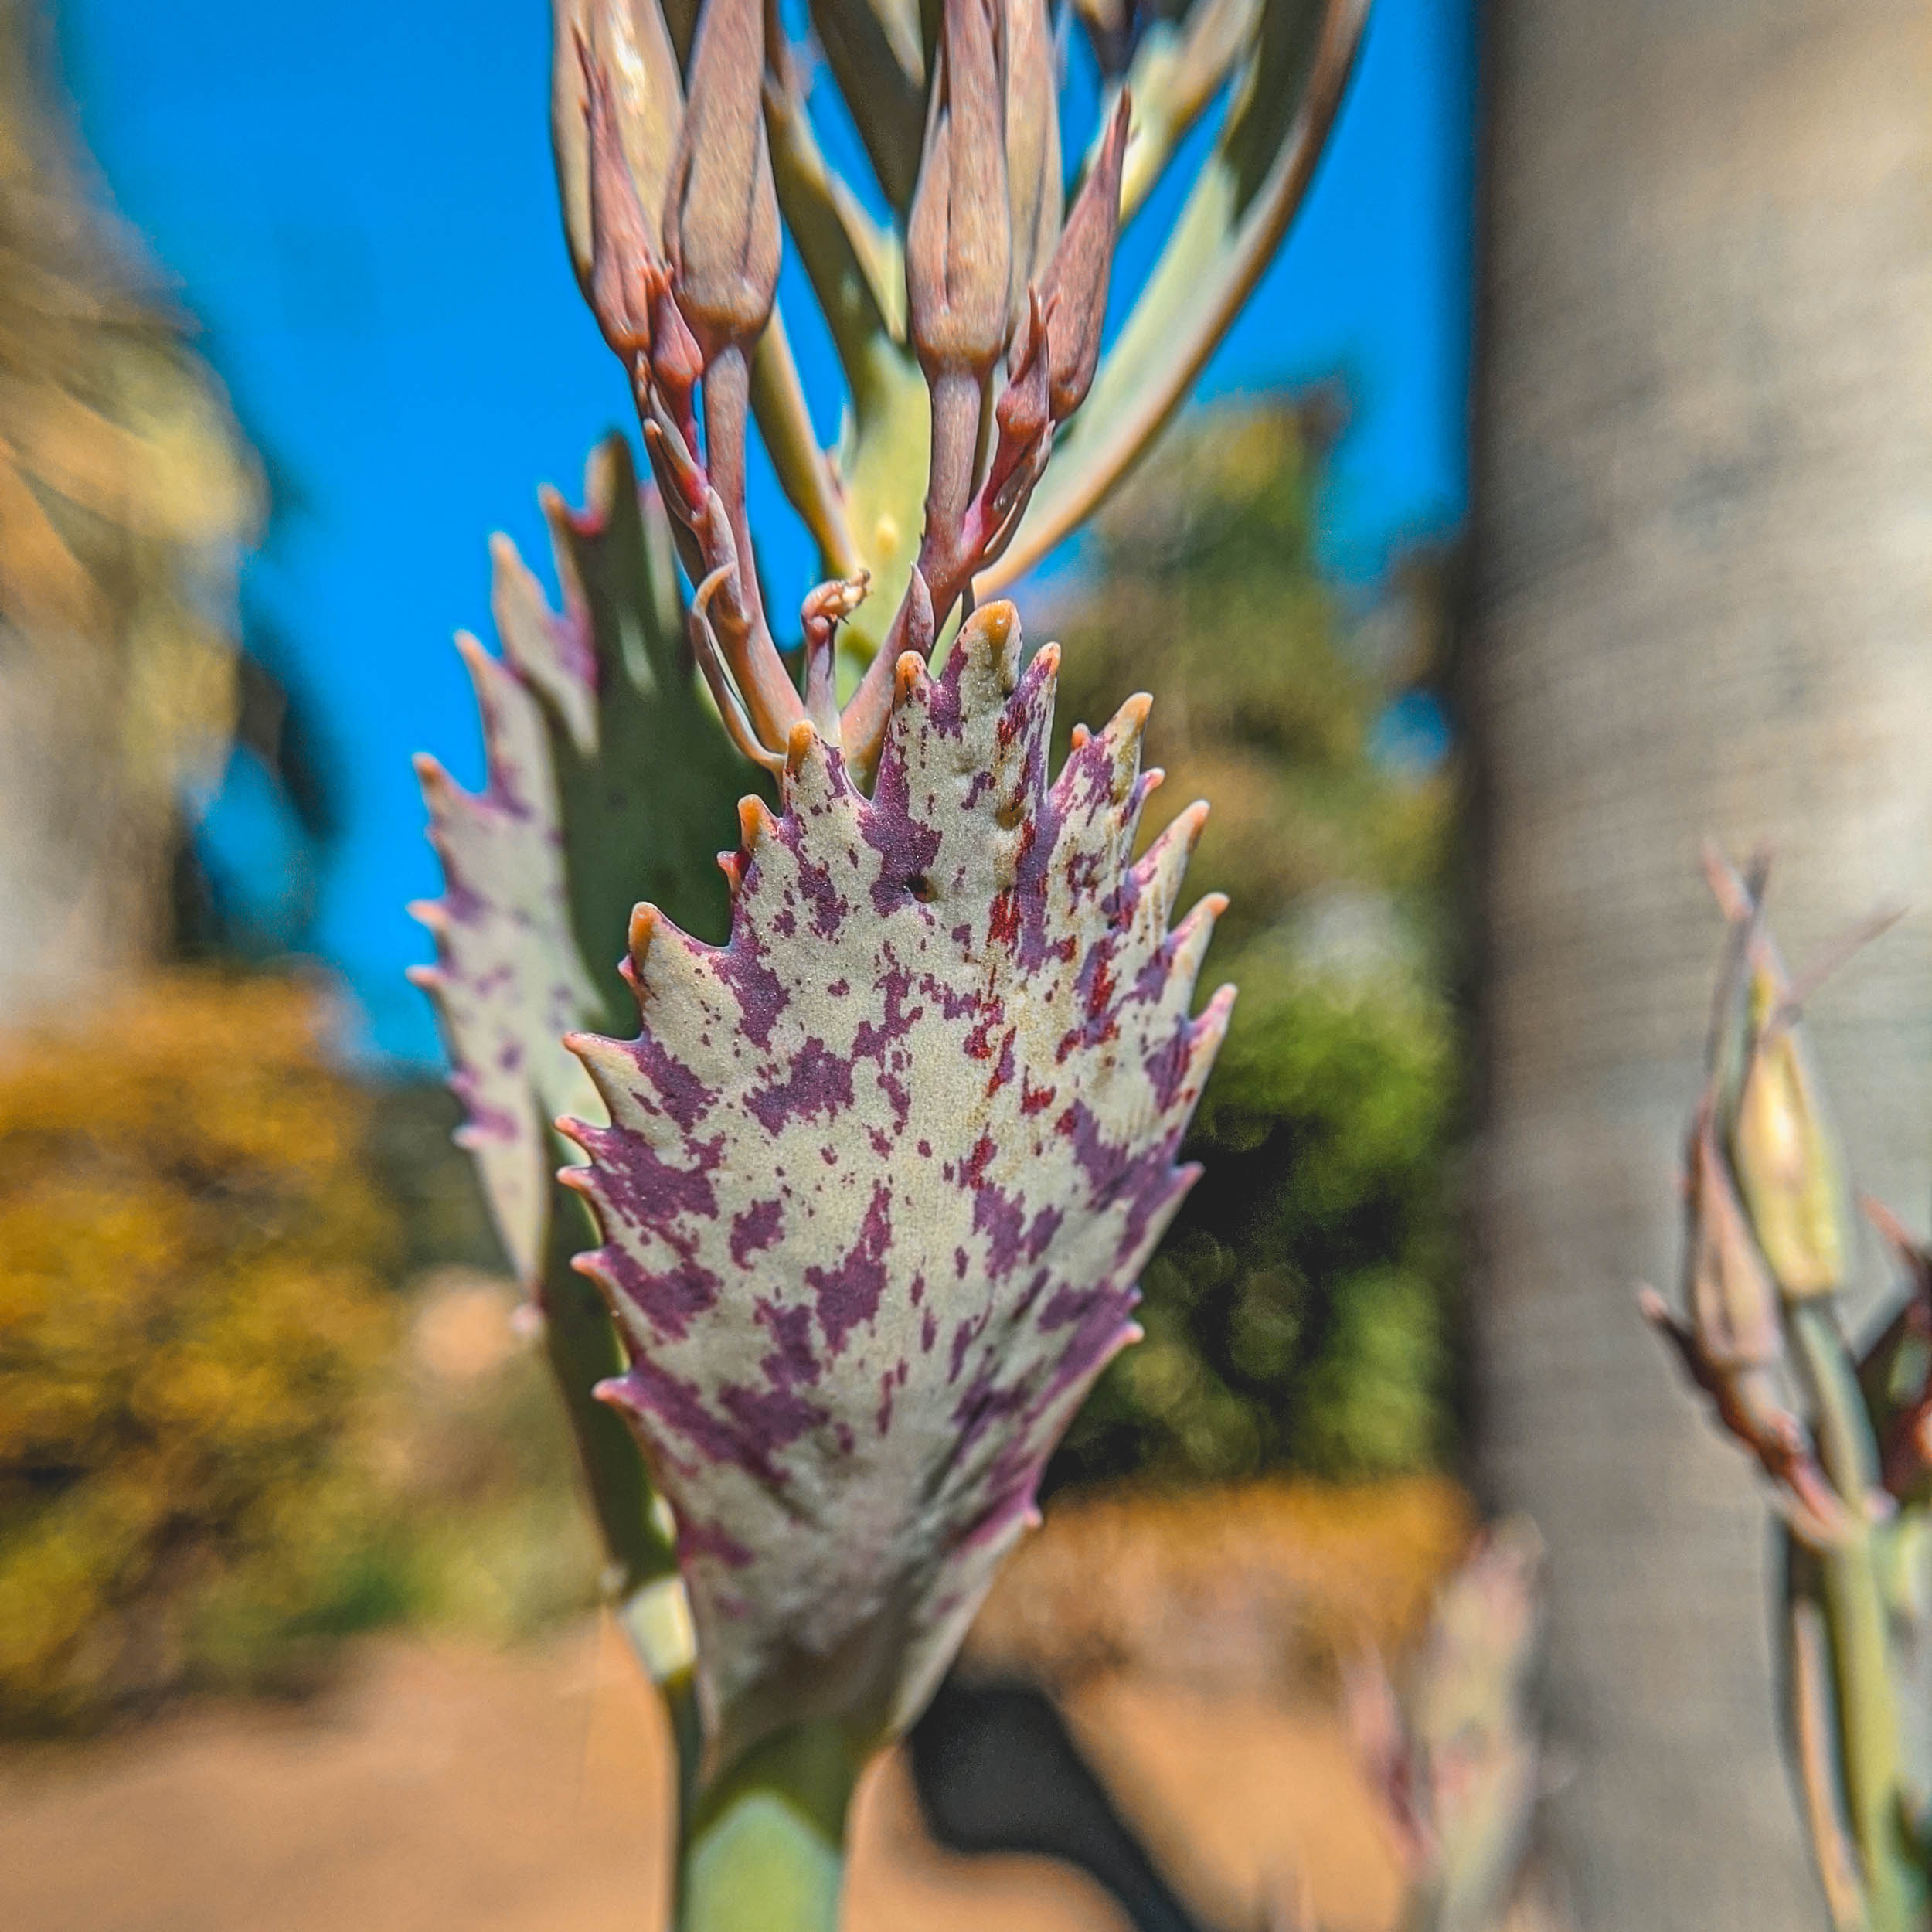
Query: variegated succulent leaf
x,y
600,758
508,979
881,1174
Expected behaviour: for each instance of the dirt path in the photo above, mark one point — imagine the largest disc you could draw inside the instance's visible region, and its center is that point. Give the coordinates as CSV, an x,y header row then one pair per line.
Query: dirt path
x,y
443,1786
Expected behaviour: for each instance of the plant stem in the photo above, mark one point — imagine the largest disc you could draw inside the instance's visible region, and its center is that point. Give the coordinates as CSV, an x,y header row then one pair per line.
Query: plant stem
x,y
764,1848
1815,1743
1869,1744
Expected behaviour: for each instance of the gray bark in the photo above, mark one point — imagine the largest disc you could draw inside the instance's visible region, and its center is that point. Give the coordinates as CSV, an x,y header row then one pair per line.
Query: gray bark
x,y
1702,585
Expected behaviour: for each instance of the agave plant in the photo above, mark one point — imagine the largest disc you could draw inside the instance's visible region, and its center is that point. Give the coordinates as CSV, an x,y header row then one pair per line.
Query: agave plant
x,y
875,1180
1843,1431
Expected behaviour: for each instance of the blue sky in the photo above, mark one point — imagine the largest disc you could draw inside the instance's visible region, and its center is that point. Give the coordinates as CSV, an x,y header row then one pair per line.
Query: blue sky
x,y
357,203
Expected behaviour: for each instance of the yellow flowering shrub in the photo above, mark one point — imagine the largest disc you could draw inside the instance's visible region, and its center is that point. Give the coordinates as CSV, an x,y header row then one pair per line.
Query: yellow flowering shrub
x,y
193,1302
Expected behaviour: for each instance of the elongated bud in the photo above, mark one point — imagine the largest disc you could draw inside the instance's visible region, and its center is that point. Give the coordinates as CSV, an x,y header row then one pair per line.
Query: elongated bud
x,y
1733,1299
633,47
1074,295
677,363
623,248
1023,440
1748,1403
1035,193
1023,415
1784,1151
630,46
721,219
570,130
1765,1098
959,243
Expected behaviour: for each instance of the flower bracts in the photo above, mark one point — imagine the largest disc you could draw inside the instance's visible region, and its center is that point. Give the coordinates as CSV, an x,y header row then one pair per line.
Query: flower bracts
x,y
882,1172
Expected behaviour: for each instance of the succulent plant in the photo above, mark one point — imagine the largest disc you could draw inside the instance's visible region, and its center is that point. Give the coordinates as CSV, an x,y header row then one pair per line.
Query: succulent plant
x,y
1453,1754
1838,1429
875,1180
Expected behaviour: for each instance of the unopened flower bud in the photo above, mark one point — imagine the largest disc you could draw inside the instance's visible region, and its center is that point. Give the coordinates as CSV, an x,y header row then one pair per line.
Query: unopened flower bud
x,y
1748,1403
622,249
1783,1150
628,45
1023,440
677,363
1733,1299
958,245
721,219
1034,191
1074,295
1023,413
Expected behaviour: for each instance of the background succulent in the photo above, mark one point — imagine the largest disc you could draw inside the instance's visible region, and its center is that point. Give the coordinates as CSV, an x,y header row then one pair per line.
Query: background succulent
x,y
1838,1427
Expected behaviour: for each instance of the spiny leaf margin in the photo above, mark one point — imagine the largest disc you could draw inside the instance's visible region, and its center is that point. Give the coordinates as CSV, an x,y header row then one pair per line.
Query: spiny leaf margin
x,y
882,1172
508,979
604,769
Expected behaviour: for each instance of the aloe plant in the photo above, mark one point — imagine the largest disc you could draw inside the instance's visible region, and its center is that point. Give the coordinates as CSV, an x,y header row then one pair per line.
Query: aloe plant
x,y
875,1180
1838,1429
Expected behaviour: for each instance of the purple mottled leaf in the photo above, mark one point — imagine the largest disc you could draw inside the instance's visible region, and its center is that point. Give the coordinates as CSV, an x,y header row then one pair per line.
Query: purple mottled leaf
x,y
605,772
508,981
881,1174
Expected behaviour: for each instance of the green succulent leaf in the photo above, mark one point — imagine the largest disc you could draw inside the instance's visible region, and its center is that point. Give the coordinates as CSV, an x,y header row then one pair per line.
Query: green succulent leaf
x,y
876,51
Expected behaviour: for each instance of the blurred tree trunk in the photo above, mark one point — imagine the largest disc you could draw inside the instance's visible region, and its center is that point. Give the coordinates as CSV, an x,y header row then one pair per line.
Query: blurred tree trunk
x,y
1703,602
126,493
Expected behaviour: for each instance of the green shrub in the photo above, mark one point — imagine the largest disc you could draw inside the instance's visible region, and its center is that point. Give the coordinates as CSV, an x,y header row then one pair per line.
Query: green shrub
x,y
1295,1313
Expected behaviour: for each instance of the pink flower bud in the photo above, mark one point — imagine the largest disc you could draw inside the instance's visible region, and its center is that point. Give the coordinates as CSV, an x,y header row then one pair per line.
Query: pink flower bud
x,y
721,219
1034,189
958,243
623,241
628,45
1074,294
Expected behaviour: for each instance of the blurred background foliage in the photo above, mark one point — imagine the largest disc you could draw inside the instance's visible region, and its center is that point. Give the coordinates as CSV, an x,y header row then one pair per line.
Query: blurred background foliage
x,y
227,1436
1296,1313
193,1311
130,695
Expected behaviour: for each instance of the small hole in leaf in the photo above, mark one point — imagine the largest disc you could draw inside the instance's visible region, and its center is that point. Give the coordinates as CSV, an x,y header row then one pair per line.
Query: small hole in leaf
x,y
922,888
